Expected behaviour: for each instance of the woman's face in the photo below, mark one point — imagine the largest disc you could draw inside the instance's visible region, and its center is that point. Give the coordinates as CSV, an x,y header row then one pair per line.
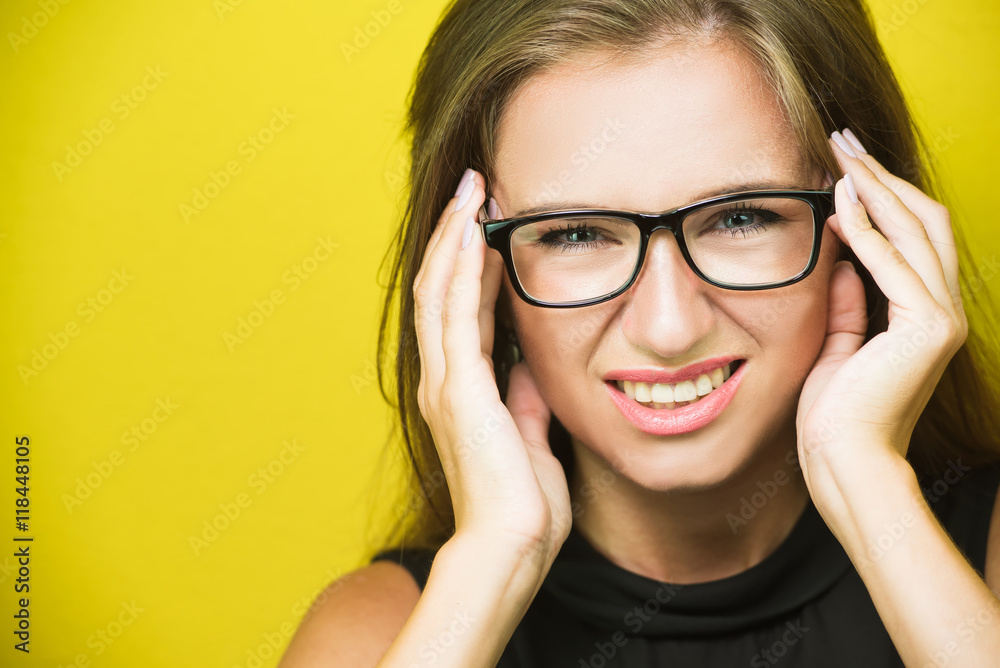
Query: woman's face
x,y
686,124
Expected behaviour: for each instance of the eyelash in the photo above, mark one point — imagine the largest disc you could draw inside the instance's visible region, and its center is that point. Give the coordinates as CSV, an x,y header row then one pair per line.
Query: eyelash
x,y
550,239
772,217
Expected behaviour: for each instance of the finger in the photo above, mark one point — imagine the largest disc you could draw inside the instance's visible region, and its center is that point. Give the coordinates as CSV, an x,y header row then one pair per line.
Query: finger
x,y
847,319
937,221
528,409
492,279
490,291
460,335
913,197
443,218
431,288
898,281
901,226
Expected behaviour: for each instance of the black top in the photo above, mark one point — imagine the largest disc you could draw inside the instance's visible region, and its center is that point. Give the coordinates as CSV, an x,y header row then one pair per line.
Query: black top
x,y
803,606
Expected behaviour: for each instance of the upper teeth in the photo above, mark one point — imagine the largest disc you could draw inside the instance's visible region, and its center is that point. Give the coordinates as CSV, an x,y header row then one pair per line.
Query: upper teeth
x,y
666,395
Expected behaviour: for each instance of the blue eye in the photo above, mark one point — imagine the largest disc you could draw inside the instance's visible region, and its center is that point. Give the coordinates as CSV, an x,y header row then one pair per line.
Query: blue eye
x,y
574,236
745,219
579,235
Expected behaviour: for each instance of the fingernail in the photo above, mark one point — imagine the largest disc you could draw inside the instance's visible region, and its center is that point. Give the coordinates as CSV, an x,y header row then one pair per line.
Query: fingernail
x,y
493,210
470,185
851,190
846,265
842,143
461,183
855,142
467,234
827,179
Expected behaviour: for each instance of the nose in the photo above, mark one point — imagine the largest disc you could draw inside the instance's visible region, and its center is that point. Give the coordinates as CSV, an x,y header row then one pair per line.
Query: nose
x,y
668,309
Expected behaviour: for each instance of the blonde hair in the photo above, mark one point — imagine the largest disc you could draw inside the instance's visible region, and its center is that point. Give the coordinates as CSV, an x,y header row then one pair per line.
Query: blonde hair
x,y
828,69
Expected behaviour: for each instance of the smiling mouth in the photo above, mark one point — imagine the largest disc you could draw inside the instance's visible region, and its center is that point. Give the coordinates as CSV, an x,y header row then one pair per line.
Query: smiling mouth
x,y
677,395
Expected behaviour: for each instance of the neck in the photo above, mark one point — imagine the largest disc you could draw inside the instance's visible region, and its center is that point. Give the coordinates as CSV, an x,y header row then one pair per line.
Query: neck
x,y
691,536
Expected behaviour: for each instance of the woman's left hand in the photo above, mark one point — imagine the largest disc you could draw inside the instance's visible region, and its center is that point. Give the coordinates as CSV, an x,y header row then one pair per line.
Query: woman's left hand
x,y
860,403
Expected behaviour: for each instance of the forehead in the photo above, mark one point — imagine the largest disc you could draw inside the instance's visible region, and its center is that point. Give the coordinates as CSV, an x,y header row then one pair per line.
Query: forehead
x,y
647,135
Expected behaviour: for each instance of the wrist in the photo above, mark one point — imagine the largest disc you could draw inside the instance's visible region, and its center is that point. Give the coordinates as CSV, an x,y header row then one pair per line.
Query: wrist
x,y
519,564
868,503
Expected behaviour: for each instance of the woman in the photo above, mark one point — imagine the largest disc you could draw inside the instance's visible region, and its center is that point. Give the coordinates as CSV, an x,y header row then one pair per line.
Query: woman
x,y
756,429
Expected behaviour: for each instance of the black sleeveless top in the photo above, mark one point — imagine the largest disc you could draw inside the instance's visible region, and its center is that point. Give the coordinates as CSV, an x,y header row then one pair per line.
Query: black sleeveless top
x,y
803,606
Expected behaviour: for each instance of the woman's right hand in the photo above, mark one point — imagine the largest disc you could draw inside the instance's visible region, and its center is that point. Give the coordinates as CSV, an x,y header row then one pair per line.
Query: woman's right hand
x,y
505,484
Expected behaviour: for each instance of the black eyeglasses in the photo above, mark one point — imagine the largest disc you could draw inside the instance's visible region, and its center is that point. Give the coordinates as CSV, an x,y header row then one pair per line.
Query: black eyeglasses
x,y
745,241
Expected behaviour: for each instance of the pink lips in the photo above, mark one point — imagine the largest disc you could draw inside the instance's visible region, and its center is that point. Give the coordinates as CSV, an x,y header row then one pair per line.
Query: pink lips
x,y
658,376
670,421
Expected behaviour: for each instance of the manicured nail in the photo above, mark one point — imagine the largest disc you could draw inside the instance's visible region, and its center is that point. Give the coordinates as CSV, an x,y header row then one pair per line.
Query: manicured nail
x,y
493,210
842,143
855,142
470,185
467,234
851,190
461,183
827,179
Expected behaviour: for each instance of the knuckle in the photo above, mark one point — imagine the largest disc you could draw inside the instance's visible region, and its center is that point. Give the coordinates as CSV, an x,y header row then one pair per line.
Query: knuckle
x,y
961,327
954,329
892,255
419,294
939,210
422,396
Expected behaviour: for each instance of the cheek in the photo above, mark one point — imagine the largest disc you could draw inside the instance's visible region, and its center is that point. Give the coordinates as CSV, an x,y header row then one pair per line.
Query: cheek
x,y
557,344
793,321
790,327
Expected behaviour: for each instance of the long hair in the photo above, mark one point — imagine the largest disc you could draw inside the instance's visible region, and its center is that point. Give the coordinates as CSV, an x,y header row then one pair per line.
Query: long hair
x,y
829,71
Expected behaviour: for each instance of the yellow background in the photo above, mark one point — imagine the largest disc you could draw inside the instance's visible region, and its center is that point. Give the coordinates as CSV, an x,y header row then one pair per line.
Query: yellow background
x,y
334,172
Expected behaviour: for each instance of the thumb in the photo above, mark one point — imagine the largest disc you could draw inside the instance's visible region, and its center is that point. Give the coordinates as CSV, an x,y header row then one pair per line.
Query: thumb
x,y
847,314
846,324
527,407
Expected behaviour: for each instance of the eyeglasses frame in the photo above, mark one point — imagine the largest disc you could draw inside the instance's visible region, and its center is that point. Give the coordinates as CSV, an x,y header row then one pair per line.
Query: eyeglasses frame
x,y
497,235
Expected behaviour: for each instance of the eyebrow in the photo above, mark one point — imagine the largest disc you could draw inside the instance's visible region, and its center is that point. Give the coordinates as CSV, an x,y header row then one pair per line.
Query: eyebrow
x,y
714,192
